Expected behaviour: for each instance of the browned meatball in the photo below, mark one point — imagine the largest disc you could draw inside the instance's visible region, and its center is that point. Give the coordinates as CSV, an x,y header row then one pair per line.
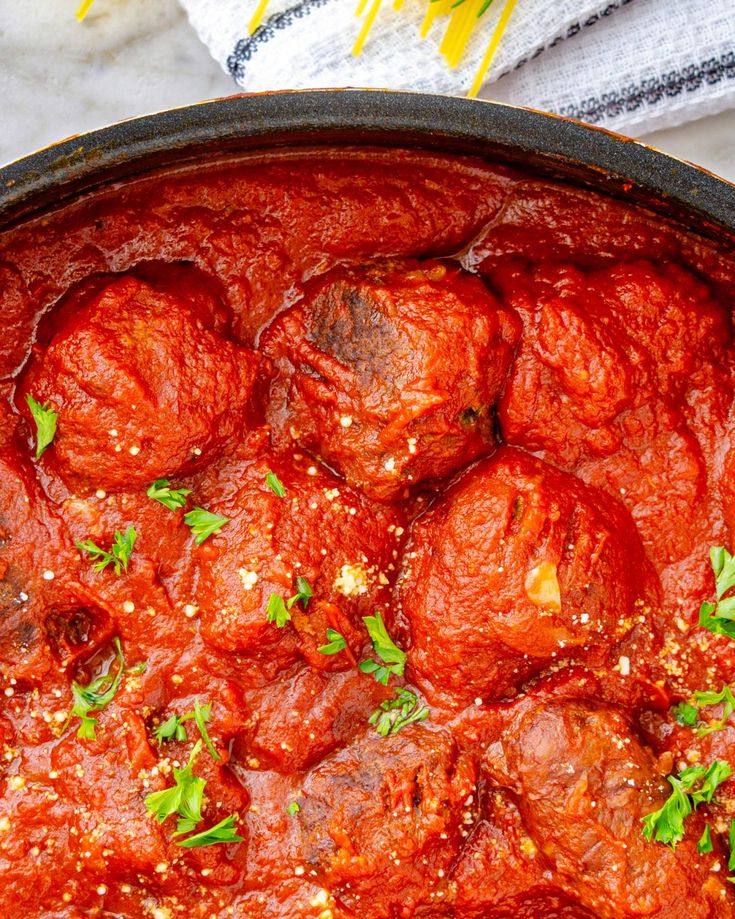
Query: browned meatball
x,y
143,384
584,782
518,565
321,530
382,820
389,372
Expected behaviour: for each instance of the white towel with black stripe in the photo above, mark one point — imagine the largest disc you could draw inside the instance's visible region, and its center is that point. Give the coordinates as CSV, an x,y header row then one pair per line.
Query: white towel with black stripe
x,y
616,63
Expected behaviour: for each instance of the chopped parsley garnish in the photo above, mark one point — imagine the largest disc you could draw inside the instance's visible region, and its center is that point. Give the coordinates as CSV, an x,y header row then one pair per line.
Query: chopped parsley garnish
x,y
731,841
687,713
275,485
118,556
705,841
224,831
45,420
719,617
293,809
204,523
303,593
174,727
394,660
277,611
172,498
184,798
96,696
693,786
336,644
396,714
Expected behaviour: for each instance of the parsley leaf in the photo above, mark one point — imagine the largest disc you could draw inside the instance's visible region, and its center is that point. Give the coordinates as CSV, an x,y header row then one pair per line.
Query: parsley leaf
x,y
293,809
275,485
118,557
45,420
224,831
184,798
725,698
705,841
694,785
172,498
396,714
731,841
336,644
394,660
174,727
303,593
277,611
686,715
96,696
719,617
204,523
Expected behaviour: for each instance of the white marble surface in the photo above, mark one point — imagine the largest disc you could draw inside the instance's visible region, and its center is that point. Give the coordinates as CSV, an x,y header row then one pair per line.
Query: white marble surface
x,y
129,57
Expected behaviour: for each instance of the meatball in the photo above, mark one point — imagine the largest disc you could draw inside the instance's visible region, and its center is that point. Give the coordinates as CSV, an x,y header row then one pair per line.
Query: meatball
x,y
382,820
516,566
390,372
584,782
143,383
320,529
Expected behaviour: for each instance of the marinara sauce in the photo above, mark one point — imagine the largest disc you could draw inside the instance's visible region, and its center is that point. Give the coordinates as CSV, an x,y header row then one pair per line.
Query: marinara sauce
x,y
357,510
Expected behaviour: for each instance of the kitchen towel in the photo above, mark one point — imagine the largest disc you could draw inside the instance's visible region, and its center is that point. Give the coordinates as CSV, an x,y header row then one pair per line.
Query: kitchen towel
x,y
615,63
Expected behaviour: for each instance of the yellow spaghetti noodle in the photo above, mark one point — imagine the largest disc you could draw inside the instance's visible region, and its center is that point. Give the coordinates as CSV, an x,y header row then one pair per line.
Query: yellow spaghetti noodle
x,y
463,16
83,9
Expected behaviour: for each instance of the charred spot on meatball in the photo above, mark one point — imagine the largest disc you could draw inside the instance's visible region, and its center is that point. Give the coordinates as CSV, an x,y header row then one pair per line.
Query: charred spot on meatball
x,y
389,372
516,567
143,383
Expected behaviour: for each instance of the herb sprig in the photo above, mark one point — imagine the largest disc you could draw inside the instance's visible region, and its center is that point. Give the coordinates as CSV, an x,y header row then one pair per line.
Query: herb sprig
x,y
222,832
204,523
719,617
395,714
393,658
45,420
174,727
687,713
119,554
96,696
279,610
172,498
337,643
693,786
183,799
275,485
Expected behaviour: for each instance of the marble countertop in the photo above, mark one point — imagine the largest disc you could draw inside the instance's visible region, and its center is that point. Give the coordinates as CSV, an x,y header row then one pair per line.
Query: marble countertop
x,y
136,56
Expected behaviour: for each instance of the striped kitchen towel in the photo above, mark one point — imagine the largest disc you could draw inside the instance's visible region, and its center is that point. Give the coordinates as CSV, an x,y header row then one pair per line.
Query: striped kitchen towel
x,y
617,63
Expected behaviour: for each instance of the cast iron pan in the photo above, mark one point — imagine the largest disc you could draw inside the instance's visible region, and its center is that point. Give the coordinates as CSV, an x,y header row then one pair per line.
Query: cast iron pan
x,y
542,143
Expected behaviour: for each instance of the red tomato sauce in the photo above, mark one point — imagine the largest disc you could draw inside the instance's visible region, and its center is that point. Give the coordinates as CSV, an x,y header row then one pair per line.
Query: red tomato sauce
x,y
490,414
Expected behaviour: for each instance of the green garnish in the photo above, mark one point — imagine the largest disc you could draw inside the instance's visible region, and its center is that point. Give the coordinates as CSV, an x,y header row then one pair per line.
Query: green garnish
x,y
118,557
718,617
172,498
396,714
201,716
224,831
174,727
687,713
303,593
204,523
394,660
705,841
96,696
45,419
275,485
694,785
184,798
336,644
277,611
293,809
731,841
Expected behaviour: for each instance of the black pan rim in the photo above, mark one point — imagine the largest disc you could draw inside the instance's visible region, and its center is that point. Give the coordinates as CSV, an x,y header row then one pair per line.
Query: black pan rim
x,y
545,143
